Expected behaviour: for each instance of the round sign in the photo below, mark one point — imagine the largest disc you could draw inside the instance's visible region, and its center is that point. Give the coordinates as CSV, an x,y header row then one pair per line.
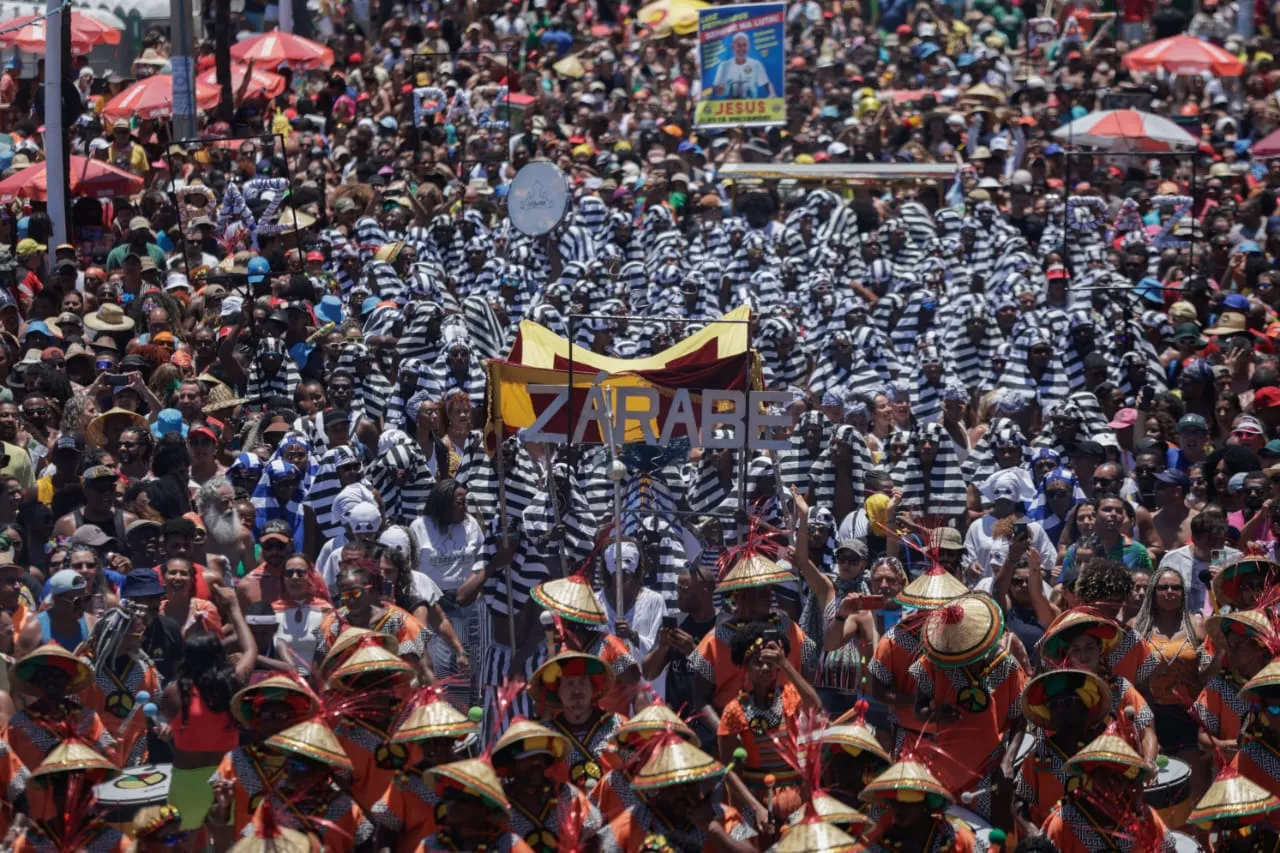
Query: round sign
x,y
538,199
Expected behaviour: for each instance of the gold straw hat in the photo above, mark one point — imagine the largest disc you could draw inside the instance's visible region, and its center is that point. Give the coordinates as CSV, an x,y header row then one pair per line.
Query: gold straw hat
x,y
1232,799
832,811
370,659
962,631
931,590
286,841
1226,586
1045,687
315,740
675,762
907,781
526,736
545,686
854,738
344,645
79,673
1251,623
754,570
815,836
1069,624
652,720
221,397
475,776
432,719
1268,678
571,598
72,756
1110,750
246,704
96,433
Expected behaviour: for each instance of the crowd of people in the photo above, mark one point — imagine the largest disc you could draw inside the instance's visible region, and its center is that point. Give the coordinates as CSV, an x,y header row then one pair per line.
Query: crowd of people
x,y
271,580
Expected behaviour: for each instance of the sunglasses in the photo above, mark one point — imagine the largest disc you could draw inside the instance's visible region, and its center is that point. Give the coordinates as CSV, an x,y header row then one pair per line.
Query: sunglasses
x,y
1169,587
295,573
273,545
1020,582
353,594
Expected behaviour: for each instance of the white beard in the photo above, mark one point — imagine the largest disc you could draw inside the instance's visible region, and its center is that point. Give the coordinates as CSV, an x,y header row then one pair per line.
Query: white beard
x,y
223,528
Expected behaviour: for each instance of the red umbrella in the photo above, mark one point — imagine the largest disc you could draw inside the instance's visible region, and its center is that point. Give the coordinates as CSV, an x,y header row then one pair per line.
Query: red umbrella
x,y
1267,146
1126,130
152,97
87,32
1184,55
89,177
260,81
270,49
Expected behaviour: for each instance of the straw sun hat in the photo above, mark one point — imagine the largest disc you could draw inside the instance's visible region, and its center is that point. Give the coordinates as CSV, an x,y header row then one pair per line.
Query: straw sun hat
x,y
907,781
473,776
754,570
675,762
72,756
1109,750
1040,692
96,433
545,686
931,590
433,717
963,631
315,740
571,598
816,835
247,704
1226,584
1233,800
79,673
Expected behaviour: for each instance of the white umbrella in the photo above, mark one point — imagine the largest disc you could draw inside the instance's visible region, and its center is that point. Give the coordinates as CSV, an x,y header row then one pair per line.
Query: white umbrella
x,y
1126,131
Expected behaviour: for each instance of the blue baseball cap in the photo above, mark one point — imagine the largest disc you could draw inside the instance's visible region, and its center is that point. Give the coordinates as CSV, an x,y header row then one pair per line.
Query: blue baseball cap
x,y
1235,302
368,305
1052,149
39,327
258,270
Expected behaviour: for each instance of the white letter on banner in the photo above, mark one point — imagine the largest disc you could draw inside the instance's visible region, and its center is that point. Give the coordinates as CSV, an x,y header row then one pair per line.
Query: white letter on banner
x,y
680,412
534,433
762,421
712,419
594,408
643,415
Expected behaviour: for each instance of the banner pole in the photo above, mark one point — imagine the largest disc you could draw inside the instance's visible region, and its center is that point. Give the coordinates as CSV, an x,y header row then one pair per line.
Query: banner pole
x,y
502,511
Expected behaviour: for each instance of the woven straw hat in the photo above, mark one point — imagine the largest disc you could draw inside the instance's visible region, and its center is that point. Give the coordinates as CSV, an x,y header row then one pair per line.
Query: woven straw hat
x,y
1267,679
315,740
220,398
815,836
1053,645
1233,799
1110,750
246,703
545,686
754,570
832,811
525,735
95,435
854,738
432,719
1227,584
72,756
653,720
571,598
79,673
475,776
1251,623
931,590
1041,690
344,646
676,762
370,659
286,841
963,631
906,781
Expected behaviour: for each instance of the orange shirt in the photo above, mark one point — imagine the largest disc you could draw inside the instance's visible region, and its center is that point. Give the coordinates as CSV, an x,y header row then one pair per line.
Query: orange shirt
x,y
32,735
629,829
376,761
408,631
105,840
248,769
508,843
19,618
1133,658
753,727
13,781
713,662
112,697
1220,708
1072,831
407,808
1259,762
202,615
890,666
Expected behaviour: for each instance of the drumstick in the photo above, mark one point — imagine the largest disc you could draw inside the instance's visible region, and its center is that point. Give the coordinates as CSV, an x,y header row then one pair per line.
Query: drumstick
x,y
141,699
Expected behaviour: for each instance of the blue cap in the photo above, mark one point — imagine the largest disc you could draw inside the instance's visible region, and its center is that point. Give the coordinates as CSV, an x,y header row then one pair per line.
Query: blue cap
x,y
1248,247
1150,289
1078,111
68,580
169,421
39,327
830,111
368,305
258,269
964,60
24,225
1052,149
141,583
15,63
1174,477
924,50
330,309
1236,302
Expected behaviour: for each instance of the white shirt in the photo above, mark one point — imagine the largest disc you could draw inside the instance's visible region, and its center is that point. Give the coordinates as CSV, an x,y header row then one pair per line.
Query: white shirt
x,y
446,556
299,629
740,79
645,618
989,552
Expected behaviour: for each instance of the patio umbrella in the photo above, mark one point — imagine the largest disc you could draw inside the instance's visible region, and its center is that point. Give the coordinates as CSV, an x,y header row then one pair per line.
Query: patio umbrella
x,y
1183,55
87,32
152,97
270,49
1126,131
664,16
260,81
89,177
1267,146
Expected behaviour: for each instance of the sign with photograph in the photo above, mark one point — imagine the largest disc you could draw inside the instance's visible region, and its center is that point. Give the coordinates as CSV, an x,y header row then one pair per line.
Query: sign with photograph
x,y
743,58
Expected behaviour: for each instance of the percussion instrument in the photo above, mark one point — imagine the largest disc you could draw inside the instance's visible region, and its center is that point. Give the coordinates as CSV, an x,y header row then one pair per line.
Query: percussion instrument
x,y
980,827
1024,749
1170,792
1185,843
538,198
134,788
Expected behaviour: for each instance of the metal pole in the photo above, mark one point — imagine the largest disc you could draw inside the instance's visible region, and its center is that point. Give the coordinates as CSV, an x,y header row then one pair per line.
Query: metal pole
x,y
286,16
501,464
610,400
184,102
54,124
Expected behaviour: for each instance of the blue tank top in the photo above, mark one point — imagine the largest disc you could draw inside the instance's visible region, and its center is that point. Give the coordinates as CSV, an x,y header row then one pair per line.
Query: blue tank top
x,y
68,642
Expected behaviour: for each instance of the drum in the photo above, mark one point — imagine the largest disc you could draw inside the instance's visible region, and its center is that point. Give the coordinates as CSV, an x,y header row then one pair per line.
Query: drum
x,y
1185,843
538,198
1024,749
980,827
134,788
1170,792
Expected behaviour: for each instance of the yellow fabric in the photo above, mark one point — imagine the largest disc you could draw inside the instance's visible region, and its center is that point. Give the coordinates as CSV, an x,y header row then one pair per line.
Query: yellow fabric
x,y
877,508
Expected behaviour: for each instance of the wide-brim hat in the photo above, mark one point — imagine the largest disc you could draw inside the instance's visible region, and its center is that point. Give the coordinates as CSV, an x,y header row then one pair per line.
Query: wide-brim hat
x,y
754,570
676,762
286,840
931,590
1114,752
1233,799
653,720
1226,584
1087,687
248,702
815,835
524,736
96,433
963,631
79,673
545,686
72,756
571,598
221,397
1054,641
830,810
854,739
434,718
345,645
1251,623
906,782
1230,323
292,221
109,317
370,659
315,740
1266,680
475,776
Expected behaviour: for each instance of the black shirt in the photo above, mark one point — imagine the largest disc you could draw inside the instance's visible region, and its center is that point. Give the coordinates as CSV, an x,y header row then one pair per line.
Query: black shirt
x,y
680,677
163,644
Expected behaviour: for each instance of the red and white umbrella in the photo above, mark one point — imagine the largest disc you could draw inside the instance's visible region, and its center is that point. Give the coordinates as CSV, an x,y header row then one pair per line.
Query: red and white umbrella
x,y
152,97
1126,131
1183,55
269,50
260,82
87,32
88,177
1266,147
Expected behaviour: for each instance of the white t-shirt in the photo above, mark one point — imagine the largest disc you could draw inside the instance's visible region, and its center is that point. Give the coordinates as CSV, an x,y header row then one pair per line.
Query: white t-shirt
x,y
989,552
299,629
741,79
446,556
645,618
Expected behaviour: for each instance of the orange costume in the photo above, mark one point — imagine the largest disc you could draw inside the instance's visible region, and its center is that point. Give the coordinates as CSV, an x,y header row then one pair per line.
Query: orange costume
x,y
13,781
376,761
408,631
40,838
33,734
890,666
248,769
713,663
508,843
1075,828
948,836
753,726
202,615
112,697
1219,707
630,828
408,809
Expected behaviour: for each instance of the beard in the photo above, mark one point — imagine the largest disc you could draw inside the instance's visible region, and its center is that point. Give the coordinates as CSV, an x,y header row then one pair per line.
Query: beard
x,y
223,528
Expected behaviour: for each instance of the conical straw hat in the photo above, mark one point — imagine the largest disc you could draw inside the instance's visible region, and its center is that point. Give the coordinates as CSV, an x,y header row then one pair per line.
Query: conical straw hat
x,y
1054,642
675,763
855,739
368,659
288,841
572,598
1233,798
272,689
1268,678
905,781
1251,623
815,836
545,685
833,811
79,673
653,719
432,719
315,740
1226,584
963,631
523,735
344,646
1110,750
754,570
931,590
475,776
72,756
1089,688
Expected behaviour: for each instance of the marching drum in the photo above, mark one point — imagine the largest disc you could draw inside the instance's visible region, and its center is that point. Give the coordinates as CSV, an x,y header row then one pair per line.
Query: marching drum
x,y
1170,793
980,827
1185,843
133,789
